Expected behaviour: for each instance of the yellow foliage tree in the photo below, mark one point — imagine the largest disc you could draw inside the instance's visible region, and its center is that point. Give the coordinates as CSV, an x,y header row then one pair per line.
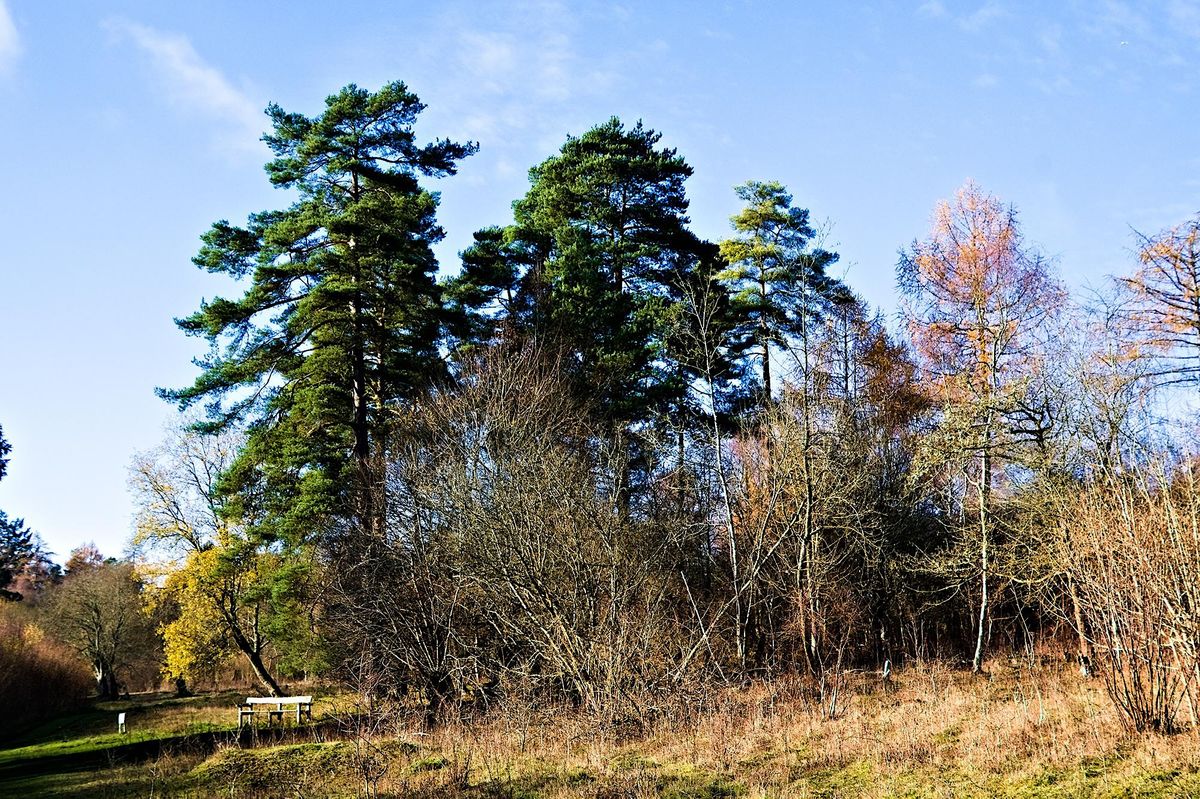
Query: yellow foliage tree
x,y
212,585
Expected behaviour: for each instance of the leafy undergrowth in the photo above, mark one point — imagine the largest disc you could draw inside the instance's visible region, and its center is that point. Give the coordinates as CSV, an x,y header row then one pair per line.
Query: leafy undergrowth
x,y
931,732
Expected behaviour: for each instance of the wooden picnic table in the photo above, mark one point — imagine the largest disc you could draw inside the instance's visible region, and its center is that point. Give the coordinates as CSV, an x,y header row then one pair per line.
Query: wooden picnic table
x,y
247,709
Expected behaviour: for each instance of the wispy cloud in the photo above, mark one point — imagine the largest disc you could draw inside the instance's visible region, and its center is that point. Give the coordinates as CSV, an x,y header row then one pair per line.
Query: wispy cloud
x,y
516,76
515,72
979,18
932,8
192,85
971,22
1050,39
490,56
1117,20
1185,16
10,40
540,55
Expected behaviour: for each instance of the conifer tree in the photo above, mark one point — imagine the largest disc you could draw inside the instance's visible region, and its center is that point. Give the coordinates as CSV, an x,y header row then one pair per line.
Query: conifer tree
x,y
5,448
342,315
779,282
978,301
598,253
17,542
594,270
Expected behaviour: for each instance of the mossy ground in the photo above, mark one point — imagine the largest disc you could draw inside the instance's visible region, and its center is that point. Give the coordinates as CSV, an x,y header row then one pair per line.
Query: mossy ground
x,y
932,733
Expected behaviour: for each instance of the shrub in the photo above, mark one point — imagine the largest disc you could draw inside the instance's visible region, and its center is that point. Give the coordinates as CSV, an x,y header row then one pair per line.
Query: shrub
x,y
38,677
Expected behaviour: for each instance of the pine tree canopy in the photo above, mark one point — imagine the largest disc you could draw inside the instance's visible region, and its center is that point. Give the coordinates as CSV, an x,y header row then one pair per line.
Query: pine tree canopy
x,y
342,315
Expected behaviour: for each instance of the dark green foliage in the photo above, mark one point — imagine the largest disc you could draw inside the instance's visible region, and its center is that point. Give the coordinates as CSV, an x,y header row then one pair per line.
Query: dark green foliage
x,y
591,267
342,316
17,546
5,448
492,289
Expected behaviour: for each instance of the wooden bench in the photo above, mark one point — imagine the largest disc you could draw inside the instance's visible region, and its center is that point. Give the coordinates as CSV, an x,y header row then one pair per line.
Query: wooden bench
x,y
303,704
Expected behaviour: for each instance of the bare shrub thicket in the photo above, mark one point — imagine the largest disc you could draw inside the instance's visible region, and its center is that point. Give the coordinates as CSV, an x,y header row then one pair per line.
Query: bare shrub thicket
x,y
507,553
38,676
517,561
518,556
801,555
1132,542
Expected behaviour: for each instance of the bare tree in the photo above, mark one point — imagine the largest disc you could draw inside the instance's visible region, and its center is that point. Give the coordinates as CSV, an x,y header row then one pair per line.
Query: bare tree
x,y
1134,555
98,611
977,300
509,552
1163,312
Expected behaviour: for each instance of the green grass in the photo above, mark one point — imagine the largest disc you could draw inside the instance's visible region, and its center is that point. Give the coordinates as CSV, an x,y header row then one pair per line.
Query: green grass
x,y
186,748
82,755
150,718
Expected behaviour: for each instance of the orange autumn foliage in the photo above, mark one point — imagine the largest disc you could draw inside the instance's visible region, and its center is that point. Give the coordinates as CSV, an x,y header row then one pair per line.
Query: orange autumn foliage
x,y
976,297
1162,320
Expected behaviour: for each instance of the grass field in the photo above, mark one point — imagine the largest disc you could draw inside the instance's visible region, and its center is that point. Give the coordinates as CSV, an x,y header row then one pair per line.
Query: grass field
x,y
930,732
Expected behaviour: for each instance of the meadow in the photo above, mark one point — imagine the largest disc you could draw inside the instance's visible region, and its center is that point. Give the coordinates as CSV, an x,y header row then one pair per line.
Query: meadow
x,y
930,730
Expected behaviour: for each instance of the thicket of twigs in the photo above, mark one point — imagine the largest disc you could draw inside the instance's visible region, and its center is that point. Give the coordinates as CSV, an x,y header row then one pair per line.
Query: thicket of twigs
x,y
520,565
38,677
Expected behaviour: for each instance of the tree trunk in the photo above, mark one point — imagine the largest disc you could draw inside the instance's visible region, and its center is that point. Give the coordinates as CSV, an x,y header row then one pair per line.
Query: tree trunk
x,y
264,676
811,536
765,333
252,650
439,687
360,423
984,488
106,681
1085,650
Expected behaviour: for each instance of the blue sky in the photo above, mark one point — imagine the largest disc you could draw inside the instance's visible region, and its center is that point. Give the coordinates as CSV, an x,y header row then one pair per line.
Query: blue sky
x,y
129,127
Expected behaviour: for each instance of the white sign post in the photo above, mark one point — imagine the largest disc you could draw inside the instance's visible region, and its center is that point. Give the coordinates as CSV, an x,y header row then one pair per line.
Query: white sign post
x,y
121,722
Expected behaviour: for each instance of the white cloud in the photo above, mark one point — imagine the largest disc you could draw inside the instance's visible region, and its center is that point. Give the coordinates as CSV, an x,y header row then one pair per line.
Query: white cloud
x,y
10,40
985,81
1050,38
191,84
535,54
491,56
1117,20
971,22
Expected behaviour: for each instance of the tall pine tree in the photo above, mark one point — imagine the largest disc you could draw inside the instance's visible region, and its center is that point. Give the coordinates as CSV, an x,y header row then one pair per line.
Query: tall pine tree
x,y
597,254
17,542
778,280
342,315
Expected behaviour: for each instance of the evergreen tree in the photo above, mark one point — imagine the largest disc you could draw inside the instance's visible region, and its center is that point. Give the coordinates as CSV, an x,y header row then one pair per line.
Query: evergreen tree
x,y
778,280
598,254
18,544
5,448
342,316
594,270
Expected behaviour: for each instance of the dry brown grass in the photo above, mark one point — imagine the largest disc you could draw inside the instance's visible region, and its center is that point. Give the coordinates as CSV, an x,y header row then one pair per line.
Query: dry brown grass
x,y
930,730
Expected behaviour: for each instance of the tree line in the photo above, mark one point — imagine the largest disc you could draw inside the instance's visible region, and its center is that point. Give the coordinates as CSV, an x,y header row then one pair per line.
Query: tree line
x,y
609,459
